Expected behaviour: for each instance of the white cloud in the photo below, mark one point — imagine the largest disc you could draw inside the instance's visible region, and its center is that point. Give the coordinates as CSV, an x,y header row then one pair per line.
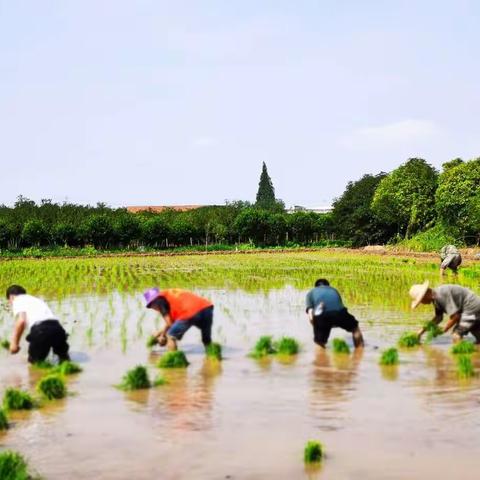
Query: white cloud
x,y
204,142
404,132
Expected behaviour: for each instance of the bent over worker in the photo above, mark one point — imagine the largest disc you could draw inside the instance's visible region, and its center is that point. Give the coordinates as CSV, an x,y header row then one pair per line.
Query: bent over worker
x,y
325,311
451,259
181,310
460,304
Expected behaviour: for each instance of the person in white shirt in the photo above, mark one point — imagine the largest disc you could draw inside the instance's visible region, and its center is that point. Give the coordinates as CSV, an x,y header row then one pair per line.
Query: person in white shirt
x,y
45,332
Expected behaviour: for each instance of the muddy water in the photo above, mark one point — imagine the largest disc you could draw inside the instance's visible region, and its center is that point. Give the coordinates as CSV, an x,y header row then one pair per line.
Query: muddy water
x,y
246,419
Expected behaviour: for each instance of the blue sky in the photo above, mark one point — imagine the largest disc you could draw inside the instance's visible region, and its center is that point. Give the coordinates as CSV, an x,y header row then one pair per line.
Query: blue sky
x,y
179,102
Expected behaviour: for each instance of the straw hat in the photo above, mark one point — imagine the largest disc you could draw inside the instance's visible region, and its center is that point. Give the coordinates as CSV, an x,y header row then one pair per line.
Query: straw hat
x,y
417,292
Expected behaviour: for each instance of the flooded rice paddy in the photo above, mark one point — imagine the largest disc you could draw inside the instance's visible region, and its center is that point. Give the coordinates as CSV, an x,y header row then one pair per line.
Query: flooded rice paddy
x,y
243,418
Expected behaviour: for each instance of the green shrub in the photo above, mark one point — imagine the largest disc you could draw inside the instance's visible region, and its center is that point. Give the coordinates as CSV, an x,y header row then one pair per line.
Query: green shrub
x,y
52,387
340,346
13,466
287,346
313,452
389,357
408,340
214,350
3,420
463,347
465,366
136,379
263,347
429,240
14,399
175,359
69,368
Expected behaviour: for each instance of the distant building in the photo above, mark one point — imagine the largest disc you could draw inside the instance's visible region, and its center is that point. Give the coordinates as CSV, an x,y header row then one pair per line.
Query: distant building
x,y
161,208
300,208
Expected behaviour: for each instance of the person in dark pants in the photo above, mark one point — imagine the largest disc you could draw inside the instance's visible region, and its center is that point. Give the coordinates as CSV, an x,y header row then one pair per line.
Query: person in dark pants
x,y
181,310
325,311
45,330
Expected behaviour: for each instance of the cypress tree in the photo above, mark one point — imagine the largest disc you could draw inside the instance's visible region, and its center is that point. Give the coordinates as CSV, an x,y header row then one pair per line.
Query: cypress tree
x,y
266,192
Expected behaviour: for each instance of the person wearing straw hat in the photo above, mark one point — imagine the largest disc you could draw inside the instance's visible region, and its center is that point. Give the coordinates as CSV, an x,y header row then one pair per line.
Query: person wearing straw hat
x,y
460,304
181,310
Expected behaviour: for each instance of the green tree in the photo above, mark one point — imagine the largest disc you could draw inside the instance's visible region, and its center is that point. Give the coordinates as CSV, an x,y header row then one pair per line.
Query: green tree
x,y
266,192
457,197
404,199
99,231
35,233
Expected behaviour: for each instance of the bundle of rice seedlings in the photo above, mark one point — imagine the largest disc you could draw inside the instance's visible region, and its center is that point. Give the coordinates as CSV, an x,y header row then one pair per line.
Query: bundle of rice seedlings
x,y
287,346
465,366
14,399
69,368
14,467
151,341
432,331
52,387
408,340
462,348
5,344
43,365
135,379
175,359
3,420
263,347
389,357
340,346
159,381
313,452
214,350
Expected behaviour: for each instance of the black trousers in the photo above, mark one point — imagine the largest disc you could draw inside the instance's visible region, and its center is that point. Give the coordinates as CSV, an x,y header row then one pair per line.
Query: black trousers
x,y
44,336
323,324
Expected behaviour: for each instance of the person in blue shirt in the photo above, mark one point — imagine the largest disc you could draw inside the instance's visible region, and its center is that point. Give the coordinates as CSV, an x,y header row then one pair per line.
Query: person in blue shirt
x,y
325,311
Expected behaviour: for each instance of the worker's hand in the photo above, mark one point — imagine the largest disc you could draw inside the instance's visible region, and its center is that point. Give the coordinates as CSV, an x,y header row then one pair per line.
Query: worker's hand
x,y
14,349
162,340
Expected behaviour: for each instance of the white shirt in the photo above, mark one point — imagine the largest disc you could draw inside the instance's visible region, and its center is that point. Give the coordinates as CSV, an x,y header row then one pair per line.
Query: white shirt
x,y
36,310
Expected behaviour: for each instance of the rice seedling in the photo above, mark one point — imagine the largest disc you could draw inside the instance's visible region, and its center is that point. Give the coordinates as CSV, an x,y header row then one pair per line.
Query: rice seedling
x,y
3,420
5,344
340,346
14,399
462,348
159,381
408,340
313,452
136,379
432,331
214,351
287,346
389,357
263,347
43,365
14,467
52,387
465,366
151,341
175,359
68,368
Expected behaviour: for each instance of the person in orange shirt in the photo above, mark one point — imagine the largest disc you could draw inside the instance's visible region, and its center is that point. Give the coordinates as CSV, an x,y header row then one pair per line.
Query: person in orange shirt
x,y
181,310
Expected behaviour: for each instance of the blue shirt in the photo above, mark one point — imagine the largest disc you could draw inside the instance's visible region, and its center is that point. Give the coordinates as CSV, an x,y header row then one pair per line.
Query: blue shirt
x,y
329,296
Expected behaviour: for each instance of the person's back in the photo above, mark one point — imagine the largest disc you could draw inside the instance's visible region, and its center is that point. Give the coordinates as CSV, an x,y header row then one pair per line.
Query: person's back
x,y
325,296
451,299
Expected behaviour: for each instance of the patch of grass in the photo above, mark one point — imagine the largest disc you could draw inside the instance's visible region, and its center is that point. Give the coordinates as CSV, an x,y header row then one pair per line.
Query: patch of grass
x,y
462,348
151,341
14,467
175,359
14,399
340,346
3,420
408,340
135,379
5,344
432,331
313,452
389,357
263,347
465,366
214,350
52,387
287,346
69,368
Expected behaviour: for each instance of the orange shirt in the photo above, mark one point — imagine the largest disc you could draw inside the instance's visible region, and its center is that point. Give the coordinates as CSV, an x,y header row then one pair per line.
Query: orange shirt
x,y
184,304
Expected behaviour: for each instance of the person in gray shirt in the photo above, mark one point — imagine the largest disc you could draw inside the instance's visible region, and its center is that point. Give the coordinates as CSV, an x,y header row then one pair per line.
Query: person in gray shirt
x,y
451,258
460,304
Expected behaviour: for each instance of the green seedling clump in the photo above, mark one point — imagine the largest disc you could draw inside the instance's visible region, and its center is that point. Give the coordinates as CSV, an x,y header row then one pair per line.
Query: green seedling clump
x,y
14,399
465,366
14,467
69,368
44,365
176,359
52,387
159,381
463,347
287,346
152,341
433,331
408,340
263,347
214,350
313,452
389,357
5,344
3,420
136,379
340,346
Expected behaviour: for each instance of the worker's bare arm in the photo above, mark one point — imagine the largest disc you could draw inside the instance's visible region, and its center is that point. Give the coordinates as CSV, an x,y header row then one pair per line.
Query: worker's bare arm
x,y
452,321
18,329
